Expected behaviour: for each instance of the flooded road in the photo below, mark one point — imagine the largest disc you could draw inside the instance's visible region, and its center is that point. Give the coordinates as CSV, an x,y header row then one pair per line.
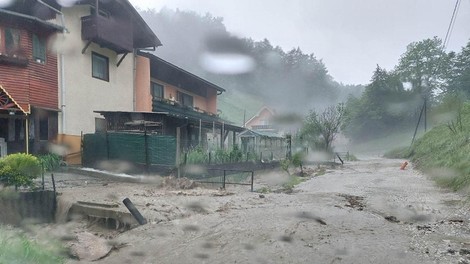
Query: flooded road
x,y
362,212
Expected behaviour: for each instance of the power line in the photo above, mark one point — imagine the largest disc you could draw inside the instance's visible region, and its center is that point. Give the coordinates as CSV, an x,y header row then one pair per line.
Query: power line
x,y
451,24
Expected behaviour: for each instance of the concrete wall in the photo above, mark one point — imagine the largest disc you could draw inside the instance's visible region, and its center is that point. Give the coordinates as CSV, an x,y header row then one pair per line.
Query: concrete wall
x,y
39,206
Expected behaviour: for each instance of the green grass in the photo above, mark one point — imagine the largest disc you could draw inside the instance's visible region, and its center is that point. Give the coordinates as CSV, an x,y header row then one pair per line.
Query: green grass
x,y
16,247
292,182
444,154
233,105
383,145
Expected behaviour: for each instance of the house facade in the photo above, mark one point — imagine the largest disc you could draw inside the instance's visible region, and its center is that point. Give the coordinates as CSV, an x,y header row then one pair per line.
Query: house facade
x,y
97,66
170,99
28,77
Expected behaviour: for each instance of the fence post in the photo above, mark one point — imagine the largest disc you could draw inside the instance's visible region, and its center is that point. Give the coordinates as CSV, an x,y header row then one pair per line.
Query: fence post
x,y
42,175
209,157
178,143
252,180
147,162
261,156
107,145
223,183
272,156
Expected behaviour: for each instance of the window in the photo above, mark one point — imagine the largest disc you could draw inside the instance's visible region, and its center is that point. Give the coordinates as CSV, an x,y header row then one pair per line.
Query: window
x,y
39,49
100,67
100,125
10,43
44,129
156,90
185,99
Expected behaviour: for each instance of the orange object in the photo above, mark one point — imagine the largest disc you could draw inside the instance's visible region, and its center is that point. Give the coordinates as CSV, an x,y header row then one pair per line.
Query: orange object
x,y
403,165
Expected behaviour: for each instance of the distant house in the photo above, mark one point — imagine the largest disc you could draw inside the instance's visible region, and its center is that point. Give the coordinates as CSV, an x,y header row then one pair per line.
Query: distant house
x,y
167,98
261,120
28,76
262,137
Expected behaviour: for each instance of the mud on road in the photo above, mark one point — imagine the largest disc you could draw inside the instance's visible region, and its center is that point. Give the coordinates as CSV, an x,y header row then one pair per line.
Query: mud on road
x,y
363,212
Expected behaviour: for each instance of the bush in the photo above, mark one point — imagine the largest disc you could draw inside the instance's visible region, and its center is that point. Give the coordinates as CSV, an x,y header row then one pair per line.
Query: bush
x,y
50,162
196,156
19,170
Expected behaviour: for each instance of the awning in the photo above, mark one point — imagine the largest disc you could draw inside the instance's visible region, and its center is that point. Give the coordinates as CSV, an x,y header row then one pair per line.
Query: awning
x,y
8,103
32,19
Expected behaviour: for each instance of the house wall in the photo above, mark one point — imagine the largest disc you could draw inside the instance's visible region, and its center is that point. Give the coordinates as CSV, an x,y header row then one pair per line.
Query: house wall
x,y
142,85
83,93
264,115
32,85
207,104
211,105
80,94
35,84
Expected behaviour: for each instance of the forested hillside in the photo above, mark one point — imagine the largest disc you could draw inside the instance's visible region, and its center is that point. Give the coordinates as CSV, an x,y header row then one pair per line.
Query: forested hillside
x,y
288,81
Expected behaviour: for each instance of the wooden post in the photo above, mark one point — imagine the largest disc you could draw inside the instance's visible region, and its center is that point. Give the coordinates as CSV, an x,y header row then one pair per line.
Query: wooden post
x,y
222,132
234,139
27,135
200,131
178,143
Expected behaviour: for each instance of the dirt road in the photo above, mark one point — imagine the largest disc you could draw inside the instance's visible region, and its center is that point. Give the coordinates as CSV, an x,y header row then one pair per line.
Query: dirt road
x,y
363,212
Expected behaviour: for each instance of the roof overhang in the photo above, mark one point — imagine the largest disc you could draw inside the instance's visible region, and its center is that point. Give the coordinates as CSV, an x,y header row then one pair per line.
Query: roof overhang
x,y
8,103
208,122
32,20
169,73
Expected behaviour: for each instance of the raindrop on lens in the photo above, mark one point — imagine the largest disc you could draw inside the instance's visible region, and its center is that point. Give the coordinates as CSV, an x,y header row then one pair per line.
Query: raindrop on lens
x,y
66,3
6,3
226,55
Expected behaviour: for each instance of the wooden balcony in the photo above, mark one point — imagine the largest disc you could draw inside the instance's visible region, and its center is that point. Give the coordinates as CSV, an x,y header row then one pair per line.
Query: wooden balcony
x,y
176,109
110,32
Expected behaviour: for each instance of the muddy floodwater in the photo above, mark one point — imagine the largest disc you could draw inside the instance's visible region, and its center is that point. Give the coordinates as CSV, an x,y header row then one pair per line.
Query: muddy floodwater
x,y
363,212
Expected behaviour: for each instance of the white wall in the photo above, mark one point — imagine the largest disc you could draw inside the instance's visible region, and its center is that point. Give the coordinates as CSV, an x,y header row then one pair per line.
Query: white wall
x,y
84,94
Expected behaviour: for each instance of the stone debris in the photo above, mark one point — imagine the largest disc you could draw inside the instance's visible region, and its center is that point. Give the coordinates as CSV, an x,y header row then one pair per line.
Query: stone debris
x,y
89,247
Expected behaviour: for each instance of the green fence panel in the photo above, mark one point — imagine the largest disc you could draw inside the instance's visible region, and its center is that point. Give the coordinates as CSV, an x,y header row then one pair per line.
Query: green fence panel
x,y
94,148
126,146
162,150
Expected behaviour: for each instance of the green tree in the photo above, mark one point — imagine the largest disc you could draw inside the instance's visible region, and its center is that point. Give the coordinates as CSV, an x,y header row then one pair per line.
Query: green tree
x,y
460,75
320,129
425,65
385,105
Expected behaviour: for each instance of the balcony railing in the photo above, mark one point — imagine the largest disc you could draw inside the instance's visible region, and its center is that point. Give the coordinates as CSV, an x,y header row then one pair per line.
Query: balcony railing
x,y
13,60
111,32
174,108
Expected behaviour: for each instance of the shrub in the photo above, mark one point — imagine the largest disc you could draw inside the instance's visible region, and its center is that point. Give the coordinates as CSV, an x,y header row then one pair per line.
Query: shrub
x,y
50,162
19,170
196,156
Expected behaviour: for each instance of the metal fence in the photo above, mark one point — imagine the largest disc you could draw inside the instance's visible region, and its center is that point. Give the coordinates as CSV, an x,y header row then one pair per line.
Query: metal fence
x,y
220,177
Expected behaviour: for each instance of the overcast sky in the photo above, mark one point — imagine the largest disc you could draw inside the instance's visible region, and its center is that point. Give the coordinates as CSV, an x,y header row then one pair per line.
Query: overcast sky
x,y
351,36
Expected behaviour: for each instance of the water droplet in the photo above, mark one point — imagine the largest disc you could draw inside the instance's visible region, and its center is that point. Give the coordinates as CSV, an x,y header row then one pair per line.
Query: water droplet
x,y
226,55
66,3
5,3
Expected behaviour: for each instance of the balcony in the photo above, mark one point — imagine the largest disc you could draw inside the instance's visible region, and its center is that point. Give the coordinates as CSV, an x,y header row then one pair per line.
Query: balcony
x,y
111,33
176,109
13,60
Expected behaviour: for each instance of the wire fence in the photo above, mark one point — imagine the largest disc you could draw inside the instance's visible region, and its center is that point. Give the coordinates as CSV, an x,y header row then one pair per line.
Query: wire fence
x,y
220,177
